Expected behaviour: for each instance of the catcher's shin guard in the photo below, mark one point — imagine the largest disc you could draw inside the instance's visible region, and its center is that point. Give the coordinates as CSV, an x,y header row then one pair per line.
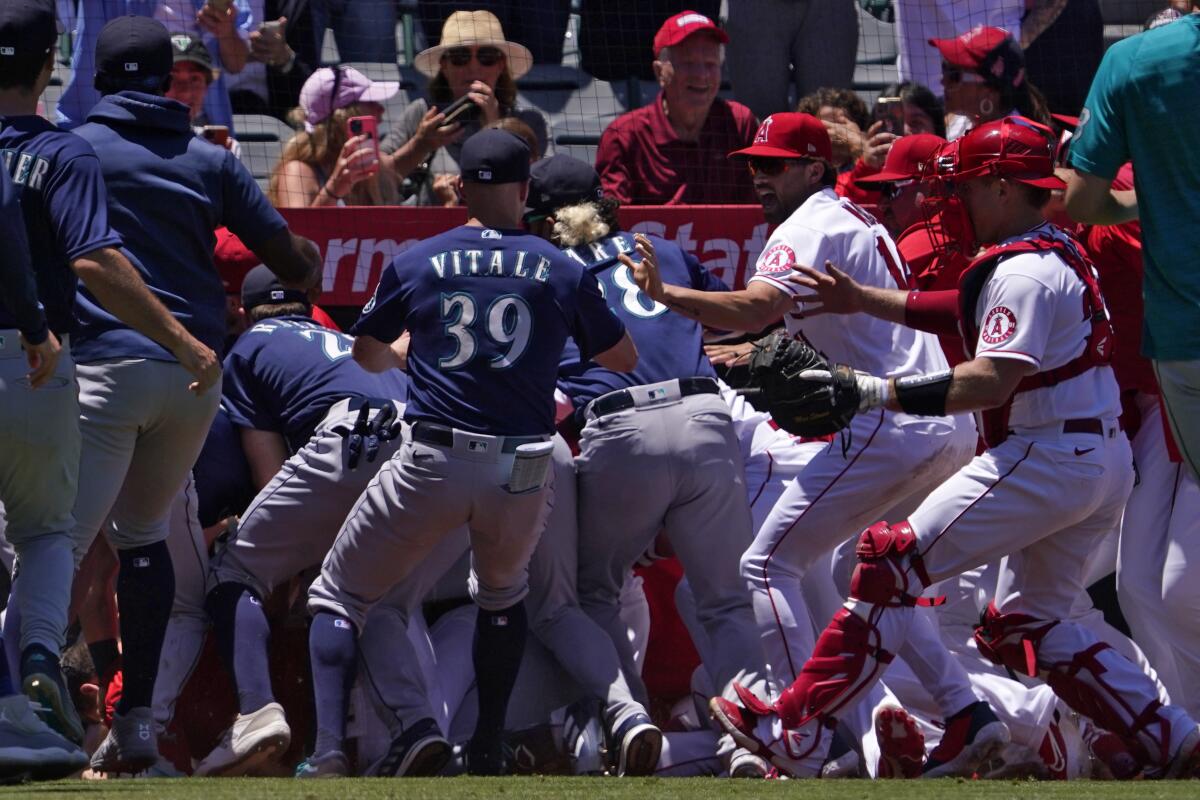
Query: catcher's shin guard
x,y
1080,670
848,659
889,567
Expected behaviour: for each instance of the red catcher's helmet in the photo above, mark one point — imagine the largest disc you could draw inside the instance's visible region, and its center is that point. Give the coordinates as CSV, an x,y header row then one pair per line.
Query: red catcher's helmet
x,y
1013,147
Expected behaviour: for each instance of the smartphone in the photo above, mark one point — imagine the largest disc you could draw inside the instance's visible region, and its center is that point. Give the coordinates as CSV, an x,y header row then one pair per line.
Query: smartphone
x,y
891,111
365,126
217,134
461,110
274,27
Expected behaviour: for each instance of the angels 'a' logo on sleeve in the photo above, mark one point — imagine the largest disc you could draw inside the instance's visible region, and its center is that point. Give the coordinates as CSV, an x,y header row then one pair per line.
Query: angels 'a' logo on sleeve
x,y
777,258
999,325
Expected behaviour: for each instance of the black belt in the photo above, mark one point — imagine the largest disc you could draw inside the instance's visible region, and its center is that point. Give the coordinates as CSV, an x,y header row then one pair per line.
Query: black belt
x,y
443,436
1091,425
622,399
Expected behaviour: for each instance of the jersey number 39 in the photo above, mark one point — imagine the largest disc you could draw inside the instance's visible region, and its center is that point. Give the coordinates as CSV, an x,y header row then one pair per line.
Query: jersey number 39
x,y
507,322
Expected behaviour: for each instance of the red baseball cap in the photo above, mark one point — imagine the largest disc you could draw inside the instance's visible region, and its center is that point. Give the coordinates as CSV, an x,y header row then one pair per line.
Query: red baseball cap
x,y
790,135
968,50
907,159
683,25
233,260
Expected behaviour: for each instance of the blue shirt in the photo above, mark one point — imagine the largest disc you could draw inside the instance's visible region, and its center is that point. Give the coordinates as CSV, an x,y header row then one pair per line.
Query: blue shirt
x,y
64,203
223,482
168,190
489,313
1144,106
669,345
285,373
18,285
179,16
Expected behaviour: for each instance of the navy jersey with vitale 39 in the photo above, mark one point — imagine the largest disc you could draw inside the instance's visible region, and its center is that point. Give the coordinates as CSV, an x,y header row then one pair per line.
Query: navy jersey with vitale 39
x,y
489,312
669,345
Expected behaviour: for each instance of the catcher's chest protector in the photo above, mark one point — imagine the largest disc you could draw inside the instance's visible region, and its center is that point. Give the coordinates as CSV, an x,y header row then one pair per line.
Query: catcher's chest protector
x,y
1099,343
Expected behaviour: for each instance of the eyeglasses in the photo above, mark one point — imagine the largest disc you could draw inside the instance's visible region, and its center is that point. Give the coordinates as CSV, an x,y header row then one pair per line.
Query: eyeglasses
x,y
890,191
952,74
771,167
486,56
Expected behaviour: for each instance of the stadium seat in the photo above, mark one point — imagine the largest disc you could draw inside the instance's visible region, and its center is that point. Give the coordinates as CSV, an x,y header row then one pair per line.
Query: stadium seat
x,y
876,40
262,139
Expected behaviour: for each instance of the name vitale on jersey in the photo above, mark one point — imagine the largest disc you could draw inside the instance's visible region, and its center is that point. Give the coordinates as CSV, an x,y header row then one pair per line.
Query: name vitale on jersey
x,y
491,264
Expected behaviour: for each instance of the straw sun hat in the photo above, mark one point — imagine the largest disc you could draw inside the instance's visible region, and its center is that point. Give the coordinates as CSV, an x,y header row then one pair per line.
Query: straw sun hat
x,y
478,29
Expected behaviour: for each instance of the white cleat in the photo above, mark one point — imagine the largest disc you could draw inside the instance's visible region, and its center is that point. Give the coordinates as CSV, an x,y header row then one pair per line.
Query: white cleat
x,y
252,740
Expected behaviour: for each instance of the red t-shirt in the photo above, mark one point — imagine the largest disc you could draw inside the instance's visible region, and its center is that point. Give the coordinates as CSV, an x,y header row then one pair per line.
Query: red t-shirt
x,y
642,161
846,186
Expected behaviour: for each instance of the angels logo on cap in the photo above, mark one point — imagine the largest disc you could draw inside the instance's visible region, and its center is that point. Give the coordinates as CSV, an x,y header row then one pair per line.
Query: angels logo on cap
x,y
690,19
763,135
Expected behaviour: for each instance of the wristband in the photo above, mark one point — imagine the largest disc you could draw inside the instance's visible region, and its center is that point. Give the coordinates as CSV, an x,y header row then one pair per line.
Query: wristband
x,y
328,191
924,395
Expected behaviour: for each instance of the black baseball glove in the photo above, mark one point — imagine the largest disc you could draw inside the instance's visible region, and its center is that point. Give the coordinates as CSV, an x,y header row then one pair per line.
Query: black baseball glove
x,y
367,434
805,406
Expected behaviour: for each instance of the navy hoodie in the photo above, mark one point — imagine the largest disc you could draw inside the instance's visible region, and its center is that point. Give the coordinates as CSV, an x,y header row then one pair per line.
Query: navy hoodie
x,y
168,190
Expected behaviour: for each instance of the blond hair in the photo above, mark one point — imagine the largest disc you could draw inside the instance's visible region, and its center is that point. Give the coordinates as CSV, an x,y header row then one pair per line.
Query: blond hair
x,y
582,223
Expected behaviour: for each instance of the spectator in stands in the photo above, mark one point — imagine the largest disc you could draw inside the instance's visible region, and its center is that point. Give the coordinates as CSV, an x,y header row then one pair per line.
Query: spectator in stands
x,y
283,53
983,75
540,25
918,21
473,60
191,78
845,116
226,34
923,110
364,30
777,44
324,165
673,150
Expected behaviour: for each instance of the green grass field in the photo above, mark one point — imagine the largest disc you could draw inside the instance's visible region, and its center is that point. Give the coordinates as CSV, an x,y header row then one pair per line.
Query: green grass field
x,y
597,789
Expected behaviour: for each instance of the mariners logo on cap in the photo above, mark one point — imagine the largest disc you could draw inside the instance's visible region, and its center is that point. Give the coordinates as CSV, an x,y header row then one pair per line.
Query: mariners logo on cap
x,y
485,174
8,51
131,66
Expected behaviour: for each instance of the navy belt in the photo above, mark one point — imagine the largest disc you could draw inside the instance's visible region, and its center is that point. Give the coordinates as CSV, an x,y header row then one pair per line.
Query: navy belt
x,y
622,399
443,436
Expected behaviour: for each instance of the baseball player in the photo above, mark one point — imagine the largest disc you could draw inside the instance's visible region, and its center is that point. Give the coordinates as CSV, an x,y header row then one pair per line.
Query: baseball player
x,y
639,429
489,309
142,428
1055,476
27,745
66,218
888,459
301,406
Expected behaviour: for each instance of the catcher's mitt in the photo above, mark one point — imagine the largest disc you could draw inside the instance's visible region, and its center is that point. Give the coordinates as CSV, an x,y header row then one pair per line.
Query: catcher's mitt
x,y
802,406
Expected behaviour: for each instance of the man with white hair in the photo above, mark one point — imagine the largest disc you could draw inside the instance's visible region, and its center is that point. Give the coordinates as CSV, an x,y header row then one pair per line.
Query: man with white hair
x,y
673,150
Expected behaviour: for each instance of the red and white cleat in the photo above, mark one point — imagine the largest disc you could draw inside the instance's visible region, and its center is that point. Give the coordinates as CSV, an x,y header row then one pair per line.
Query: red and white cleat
x,y
755,726
901,744
973,737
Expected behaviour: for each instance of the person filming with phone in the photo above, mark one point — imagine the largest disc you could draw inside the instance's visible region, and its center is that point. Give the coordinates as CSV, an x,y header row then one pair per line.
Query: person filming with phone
x,y
335,160
473,72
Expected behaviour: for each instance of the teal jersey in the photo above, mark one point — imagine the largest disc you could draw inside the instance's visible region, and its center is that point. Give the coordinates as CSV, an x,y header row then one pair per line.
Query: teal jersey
x,y
1144,106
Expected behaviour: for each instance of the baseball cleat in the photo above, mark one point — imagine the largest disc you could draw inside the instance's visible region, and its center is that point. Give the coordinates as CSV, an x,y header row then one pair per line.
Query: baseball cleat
x,y
901,744
43,683
757,728
421,751
332,764
637,743
1186,761
487,758
973,737
1111,754
130,746
30,749
747,765
252,740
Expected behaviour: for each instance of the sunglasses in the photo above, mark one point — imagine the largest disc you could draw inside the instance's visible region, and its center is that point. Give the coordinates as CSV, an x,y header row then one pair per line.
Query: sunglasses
x,y
951,74
890,191
771,167
486,56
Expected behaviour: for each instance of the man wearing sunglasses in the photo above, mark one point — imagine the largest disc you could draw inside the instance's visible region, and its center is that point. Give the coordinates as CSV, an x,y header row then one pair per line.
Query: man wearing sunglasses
x,y
886,461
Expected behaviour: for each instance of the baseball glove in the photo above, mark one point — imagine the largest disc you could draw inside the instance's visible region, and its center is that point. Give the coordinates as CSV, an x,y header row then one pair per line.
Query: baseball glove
x,y
804,406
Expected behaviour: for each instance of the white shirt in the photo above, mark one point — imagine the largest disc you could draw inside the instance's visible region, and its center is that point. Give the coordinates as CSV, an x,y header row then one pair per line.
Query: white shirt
x,y
1031,309
828,227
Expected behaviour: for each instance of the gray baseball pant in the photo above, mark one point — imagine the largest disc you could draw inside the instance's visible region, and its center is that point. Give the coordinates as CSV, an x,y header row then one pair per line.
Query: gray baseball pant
x,y
1180,385
39,468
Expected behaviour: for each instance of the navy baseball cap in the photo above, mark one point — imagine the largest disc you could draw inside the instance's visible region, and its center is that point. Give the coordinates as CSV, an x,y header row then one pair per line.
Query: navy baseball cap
x,y
134,52
261,287
28,29
558,181
494,156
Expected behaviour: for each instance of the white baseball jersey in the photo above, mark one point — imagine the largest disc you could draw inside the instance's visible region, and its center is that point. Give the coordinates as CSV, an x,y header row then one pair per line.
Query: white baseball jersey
x,y
828,227
1032,309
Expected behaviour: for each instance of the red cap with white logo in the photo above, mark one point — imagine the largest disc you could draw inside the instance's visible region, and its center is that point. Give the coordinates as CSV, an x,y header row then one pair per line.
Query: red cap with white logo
x,y
683,25
907,159
789,135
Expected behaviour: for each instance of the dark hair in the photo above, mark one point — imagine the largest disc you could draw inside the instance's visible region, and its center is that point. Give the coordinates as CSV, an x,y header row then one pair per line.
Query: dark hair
x,y
270,310
845,99
1029,101
919,95
1035,195
77,669
21,72
505,90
